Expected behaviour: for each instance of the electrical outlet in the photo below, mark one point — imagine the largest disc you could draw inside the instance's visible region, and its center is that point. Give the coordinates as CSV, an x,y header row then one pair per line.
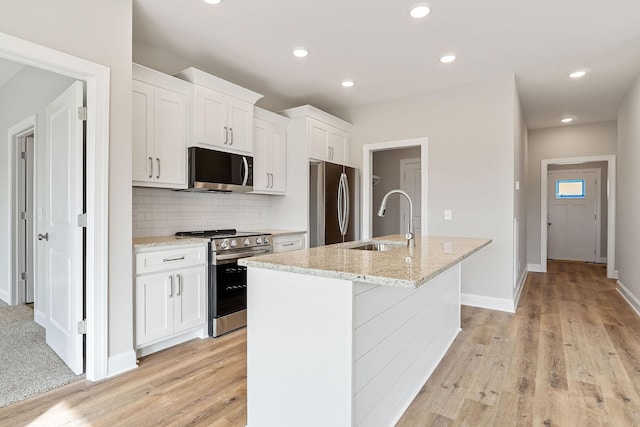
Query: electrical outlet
x,y
447,215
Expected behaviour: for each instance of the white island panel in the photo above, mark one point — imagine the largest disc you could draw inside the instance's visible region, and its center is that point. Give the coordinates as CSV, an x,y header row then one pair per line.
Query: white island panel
x,y
299,350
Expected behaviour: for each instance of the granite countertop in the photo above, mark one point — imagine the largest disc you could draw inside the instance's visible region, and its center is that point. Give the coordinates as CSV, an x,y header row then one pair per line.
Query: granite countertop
x,y
276,233
150,242
401,266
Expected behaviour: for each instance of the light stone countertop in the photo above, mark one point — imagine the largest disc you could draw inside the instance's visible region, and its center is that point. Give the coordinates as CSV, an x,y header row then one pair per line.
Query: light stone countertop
x,y
277,233
150,242
401,266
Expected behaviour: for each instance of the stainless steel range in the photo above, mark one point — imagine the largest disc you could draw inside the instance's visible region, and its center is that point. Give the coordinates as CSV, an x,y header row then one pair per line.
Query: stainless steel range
x,y
228,280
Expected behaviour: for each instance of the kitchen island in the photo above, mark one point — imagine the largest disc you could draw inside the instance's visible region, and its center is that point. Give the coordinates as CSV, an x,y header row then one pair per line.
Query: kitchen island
x,y
339,336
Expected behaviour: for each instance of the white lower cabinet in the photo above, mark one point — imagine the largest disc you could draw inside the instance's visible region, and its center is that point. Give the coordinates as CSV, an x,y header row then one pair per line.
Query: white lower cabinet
x,y
288,242
171,304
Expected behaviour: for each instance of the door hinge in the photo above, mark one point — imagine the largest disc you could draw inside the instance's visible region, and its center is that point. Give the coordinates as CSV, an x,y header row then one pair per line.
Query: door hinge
x,y
23,155
82,327
82,113
23,215
82,220
23,275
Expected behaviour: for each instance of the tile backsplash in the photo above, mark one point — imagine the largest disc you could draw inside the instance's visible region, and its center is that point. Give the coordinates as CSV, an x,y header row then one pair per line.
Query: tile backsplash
x,y
162,212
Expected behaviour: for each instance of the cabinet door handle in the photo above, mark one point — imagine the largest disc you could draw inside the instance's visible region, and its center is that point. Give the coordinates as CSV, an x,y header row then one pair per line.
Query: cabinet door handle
x,y
150,167
179,285
170,286
158,160
267,179
288,244
271,180
226,135
180,258
231,140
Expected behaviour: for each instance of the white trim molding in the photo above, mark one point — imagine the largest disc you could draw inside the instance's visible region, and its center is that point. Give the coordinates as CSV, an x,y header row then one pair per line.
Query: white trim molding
x,y
631,299
97,78
611,206
123,362
491,303
521,283
536,268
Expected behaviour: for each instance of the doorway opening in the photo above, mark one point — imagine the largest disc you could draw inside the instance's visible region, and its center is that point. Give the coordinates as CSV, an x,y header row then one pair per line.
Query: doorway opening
x,y
96,79
371,197
609,194
575,213
22,136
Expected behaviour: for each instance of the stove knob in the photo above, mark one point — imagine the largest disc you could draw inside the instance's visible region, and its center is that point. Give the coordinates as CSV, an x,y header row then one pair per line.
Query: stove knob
x,y
259,240
224,244
246,242
266,240
233,243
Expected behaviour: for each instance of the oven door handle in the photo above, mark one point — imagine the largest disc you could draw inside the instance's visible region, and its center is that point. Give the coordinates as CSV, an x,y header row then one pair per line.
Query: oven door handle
x,y
242,255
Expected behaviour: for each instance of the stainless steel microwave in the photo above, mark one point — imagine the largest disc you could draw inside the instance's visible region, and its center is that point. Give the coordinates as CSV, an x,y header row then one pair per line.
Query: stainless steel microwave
x,y
212,170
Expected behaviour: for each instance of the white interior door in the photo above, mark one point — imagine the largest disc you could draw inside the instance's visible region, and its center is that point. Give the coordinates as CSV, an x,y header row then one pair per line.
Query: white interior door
x,y
410,178
59,234
572,220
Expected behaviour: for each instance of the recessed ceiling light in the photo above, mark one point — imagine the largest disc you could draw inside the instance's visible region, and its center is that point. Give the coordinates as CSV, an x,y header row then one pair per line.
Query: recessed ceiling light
x,y
577,74
212,1
347,83
419,10
447,59
300,52
567,120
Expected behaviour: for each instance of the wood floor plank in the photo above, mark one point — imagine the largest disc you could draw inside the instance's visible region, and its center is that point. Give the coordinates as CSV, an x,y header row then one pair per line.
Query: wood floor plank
x,y
570,356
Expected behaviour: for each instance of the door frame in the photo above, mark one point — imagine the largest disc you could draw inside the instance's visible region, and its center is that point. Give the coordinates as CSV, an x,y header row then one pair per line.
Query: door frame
x,y
367,180
598,172
15,134
97,78
611,207
403,168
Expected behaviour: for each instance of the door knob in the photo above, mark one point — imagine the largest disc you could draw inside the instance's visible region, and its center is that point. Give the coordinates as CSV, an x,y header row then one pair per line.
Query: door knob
x,y
44,236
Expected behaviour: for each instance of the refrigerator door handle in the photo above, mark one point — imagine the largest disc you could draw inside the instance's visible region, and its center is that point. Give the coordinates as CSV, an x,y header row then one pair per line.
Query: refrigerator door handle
x,y
345,220
340,205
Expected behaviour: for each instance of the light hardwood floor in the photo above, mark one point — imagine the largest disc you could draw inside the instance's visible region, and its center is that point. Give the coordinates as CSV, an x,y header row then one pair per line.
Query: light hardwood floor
x,y
569,357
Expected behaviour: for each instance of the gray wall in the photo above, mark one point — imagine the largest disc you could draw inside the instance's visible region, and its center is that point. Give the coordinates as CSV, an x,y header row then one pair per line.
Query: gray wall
x,y
604,211
27,93
593,139
520,199
628,196
99,31
471,132
386,164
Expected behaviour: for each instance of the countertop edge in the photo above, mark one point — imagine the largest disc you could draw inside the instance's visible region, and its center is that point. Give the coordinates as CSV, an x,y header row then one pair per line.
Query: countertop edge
x,y
151,242
375,280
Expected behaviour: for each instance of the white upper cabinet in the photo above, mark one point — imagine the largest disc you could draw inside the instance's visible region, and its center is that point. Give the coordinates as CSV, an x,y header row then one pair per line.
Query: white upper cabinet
x,y
327,136
223,113
269,152
160,119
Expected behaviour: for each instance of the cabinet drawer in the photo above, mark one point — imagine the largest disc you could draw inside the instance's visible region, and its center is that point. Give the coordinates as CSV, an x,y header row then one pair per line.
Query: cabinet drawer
x,y
169,259
288,243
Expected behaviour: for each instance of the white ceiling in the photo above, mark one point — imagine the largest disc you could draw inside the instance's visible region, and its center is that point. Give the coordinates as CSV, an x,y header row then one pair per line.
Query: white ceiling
x,y
390,55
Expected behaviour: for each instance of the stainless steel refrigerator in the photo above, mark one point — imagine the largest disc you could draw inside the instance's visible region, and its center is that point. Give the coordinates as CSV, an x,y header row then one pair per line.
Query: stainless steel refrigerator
x,y
332,203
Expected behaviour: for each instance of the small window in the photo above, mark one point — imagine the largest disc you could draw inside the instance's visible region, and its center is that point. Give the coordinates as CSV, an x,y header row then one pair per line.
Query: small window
x,y
570,189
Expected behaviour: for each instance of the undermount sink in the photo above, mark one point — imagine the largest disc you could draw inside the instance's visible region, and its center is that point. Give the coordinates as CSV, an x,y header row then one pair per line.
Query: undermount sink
x,y
379,246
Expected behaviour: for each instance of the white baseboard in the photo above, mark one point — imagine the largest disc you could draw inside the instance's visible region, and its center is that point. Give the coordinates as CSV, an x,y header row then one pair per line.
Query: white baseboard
x,y
602,260
536,268
500,304
615,274
40,318
631,299
201,332
121,363
521,283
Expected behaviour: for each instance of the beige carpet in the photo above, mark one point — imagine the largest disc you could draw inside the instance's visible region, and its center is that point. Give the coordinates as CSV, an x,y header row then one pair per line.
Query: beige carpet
x,y
28,366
